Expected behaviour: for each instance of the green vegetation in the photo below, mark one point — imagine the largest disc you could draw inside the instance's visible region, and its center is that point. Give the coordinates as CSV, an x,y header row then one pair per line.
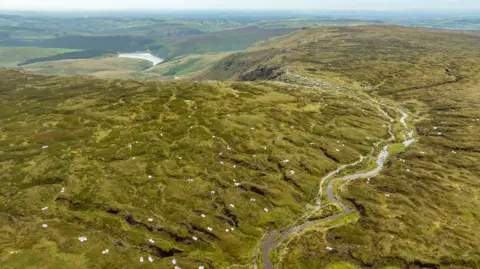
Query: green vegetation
x,y
112,67
186,66
429,219
116,43
128,150
171,47
105,138
229,40
68,55
395,149
301,22
342,265
327,210
12,56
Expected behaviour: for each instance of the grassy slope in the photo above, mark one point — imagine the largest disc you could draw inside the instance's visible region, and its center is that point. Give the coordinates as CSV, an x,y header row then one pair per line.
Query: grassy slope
x,y
309,22
337,54
119,43
183,67
206,49
431,218
428,222
228,40
31,29
103,67
188,65
11,56
106,137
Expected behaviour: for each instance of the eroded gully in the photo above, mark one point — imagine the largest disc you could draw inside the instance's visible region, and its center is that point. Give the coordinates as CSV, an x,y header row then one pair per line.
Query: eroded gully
x,y
271,240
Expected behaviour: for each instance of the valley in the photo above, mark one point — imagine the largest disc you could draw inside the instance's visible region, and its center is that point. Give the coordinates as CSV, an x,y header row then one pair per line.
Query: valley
x,y
246,143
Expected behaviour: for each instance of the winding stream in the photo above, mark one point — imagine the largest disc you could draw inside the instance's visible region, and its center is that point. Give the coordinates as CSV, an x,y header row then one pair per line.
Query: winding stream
x,y
269,243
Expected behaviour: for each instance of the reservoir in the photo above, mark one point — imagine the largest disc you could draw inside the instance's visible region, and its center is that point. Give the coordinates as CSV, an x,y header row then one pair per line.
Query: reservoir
x,y
142,55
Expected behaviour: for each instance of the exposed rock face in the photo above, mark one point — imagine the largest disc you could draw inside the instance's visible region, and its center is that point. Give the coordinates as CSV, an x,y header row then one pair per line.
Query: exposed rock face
x,y
262,73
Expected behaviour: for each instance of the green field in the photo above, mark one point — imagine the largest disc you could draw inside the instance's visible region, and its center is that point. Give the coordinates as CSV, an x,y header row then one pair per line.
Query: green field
x,y
11,56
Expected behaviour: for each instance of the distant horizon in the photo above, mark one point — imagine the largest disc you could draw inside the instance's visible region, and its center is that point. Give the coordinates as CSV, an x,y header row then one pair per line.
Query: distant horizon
x,y
445,10
20,12
246,5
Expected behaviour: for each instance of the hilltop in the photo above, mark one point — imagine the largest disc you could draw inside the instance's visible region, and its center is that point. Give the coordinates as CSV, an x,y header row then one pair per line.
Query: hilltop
x,y
434,183
367,56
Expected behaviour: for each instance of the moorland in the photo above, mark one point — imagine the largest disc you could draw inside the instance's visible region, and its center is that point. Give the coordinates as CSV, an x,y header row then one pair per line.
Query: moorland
x,y
200,171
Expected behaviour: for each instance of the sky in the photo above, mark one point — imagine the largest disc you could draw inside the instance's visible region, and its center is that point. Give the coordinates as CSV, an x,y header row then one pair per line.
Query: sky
x,y
239,4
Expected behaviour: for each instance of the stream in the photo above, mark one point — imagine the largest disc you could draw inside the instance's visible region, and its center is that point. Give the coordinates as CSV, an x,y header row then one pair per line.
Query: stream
x,y
269,243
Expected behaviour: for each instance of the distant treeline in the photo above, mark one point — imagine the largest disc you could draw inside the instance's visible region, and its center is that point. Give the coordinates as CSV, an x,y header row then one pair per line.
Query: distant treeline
x,y
86,54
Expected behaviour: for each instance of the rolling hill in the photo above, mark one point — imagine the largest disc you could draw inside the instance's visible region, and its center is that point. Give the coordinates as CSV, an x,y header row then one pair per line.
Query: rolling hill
x,y
222,41
211,173
433,74
12,56
114,67
200,48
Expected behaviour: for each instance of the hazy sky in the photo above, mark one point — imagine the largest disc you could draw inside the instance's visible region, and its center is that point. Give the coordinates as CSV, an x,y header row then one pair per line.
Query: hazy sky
x,y
238,4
